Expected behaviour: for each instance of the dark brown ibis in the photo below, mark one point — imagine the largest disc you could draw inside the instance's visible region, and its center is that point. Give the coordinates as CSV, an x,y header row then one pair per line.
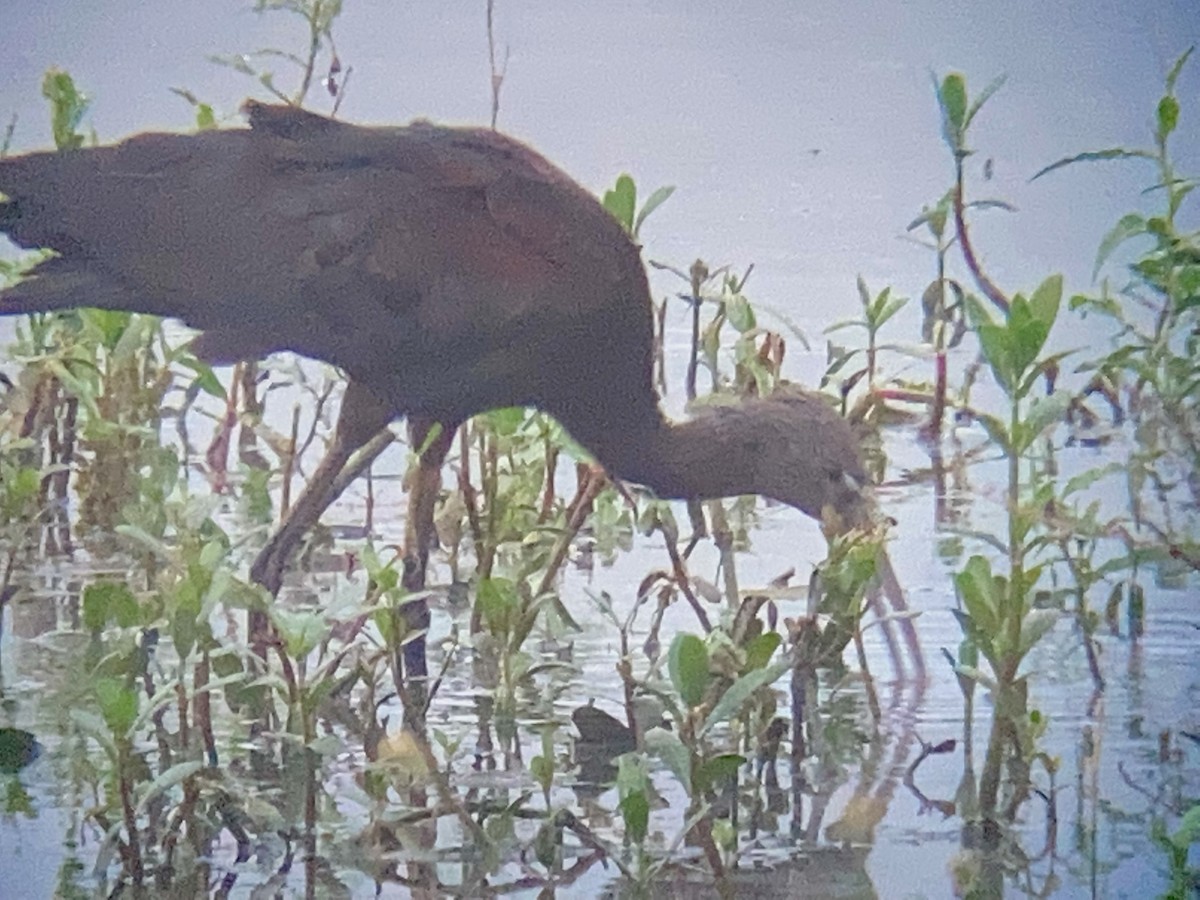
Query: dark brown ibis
x,y
447,271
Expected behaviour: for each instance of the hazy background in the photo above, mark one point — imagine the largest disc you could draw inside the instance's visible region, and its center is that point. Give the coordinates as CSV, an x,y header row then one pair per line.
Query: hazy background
x,y
802,136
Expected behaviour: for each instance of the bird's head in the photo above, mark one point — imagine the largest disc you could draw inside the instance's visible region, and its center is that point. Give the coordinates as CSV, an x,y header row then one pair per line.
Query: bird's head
x,y
800,451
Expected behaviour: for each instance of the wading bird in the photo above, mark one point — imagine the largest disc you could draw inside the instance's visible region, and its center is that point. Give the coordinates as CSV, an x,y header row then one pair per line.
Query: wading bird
x,y
447,271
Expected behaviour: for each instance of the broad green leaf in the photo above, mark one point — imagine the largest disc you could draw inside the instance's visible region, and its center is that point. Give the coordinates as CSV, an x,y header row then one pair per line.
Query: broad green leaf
x,y
205,120
667,746
889,309
177,774
1044,412
977,589
118,704
542,770
740,313
109,601
621,201
984,96
730,703
635,811
1188,832
206,378
1168,116
506,421
1046,299
498,604
953,98
760,650
996,344
687,663
718,770
1035,625
301,631
546,844
67,108
997,430
653,202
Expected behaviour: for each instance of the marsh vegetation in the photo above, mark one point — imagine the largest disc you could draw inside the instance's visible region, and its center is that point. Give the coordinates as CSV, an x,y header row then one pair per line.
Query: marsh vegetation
x,y
625,695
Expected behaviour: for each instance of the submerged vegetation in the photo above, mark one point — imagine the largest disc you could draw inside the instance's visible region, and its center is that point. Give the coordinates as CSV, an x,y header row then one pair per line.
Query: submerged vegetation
x,y
203,735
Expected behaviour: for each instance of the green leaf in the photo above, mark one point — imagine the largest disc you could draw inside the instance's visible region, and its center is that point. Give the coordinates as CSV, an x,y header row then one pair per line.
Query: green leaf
x,y
977,589
1188,831
205,120
1045,301
1044,412
687,663
542,770
667,746
653,202
717,771
760,650
498,605
730,703
953,99
997,430
621,201
996,345
507,420
300,630
1129,226
864,294
889,309
1093,156
67,108
109,601
635,811
740,313
1168,116
546,844
118,704
1085,480
175,775
1034,627
1176,68
984,96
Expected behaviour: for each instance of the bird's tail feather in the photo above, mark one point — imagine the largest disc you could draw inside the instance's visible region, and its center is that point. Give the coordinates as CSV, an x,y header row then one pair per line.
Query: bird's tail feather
x,y
60,283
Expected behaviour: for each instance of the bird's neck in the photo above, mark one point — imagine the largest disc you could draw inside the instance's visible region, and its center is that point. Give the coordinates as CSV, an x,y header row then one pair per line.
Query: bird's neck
x,y
680,460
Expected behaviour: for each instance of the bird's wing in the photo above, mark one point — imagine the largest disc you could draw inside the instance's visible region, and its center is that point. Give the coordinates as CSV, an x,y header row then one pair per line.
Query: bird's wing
x,y
365,247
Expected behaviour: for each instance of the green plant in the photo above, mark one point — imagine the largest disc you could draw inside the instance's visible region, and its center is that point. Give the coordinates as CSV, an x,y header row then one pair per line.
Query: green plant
x,y
1156,353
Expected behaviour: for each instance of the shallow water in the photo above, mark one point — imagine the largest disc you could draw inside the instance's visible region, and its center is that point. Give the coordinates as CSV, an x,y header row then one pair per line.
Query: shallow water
x,y
802,140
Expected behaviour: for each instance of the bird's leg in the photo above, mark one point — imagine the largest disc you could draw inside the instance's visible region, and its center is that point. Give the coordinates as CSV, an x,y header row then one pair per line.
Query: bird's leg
x,y
362,417
418,538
